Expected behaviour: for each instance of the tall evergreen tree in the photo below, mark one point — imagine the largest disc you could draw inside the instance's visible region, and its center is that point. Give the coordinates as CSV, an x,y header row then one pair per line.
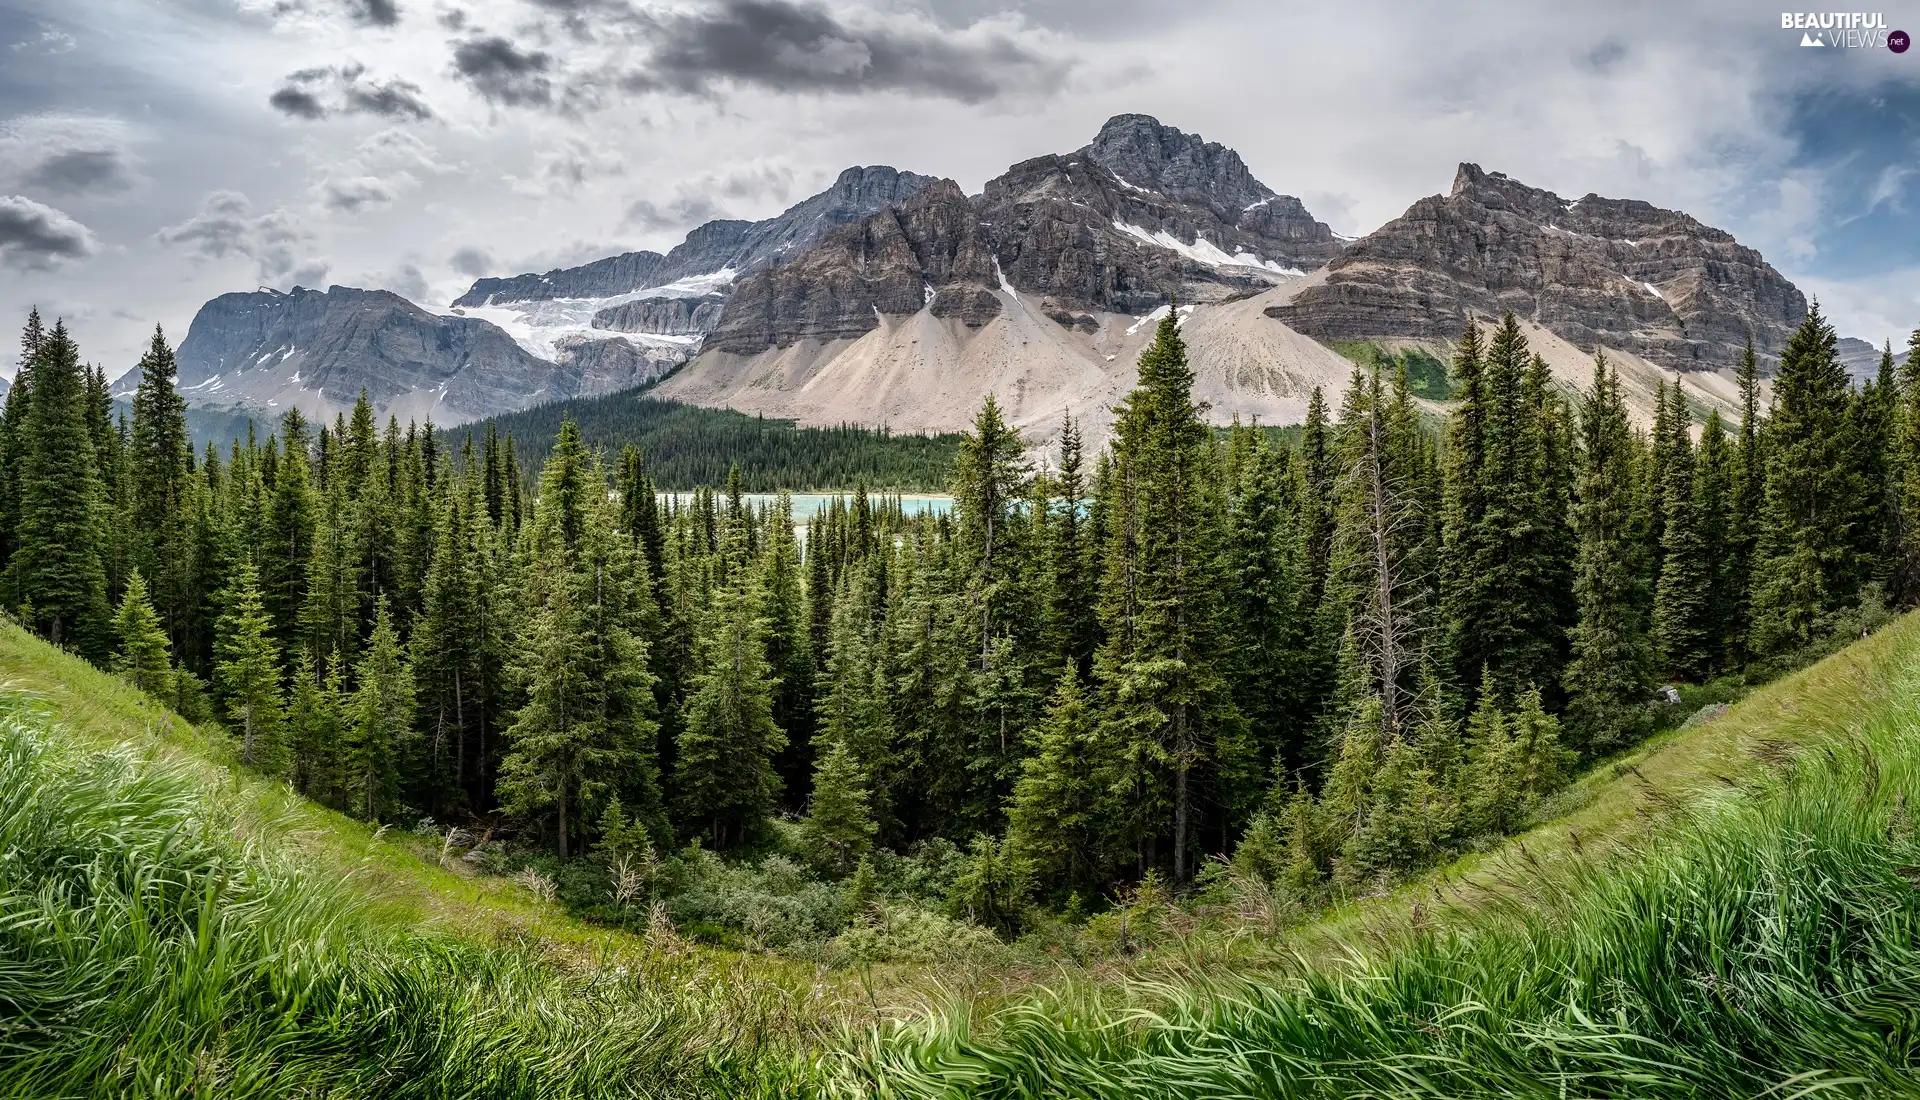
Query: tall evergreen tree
x,y
1609,676
140,653
1808,563
1163,691
247,671
724,778
1683,635
379,732
1746,493
839,827
586,731
57,565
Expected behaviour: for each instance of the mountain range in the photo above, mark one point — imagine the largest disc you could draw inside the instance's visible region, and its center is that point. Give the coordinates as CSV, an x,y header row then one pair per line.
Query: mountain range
x,y
895,298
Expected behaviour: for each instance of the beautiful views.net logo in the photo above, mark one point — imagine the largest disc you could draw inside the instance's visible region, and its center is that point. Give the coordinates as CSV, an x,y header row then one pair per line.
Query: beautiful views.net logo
x,y
1846,29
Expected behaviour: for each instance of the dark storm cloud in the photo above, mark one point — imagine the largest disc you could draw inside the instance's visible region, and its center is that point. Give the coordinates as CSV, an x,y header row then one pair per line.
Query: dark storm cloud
x,y
690,210
790,47
35,237
82,171
314,94
503,73
297,102
471,261
354,195
374,13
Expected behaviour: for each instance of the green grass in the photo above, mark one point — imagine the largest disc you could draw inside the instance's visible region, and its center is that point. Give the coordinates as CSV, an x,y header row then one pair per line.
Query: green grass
x,y
1734,911
1427,376
1732,908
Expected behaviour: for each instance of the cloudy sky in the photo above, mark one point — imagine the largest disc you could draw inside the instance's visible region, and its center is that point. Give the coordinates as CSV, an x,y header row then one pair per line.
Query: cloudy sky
x,y
154,153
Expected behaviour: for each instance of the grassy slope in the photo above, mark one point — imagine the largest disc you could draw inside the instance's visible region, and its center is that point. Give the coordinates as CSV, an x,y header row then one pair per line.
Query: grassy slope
x,y
1728,908
1609,812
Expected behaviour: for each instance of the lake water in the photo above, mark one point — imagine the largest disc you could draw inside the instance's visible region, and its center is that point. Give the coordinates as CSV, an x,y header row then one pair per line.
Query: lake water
x,y
808,505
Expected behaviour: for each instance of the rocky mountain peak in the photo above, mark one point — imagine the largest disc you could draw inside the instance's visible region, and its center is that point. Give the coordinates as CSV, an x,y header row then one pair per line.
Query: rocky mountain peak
x,y
1145,152
1596,271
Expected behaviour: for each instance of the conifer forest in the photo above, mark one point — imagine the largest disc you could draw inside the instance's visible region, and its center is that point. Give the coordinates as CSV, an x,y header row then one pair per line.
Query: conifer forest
x,y
1107,669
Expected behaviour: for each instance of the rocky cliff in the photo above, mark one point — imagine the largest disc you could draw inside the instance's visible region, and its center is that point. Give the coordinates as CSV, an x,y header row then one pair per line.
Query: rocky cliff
x,y
1592,270
318,349
1069,230
714,246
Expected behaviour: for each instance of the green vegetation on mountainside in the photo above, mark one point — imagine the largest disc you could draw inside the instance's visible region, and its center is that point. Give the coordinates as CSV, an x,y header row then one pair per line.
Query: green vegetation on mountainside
x,y
689,446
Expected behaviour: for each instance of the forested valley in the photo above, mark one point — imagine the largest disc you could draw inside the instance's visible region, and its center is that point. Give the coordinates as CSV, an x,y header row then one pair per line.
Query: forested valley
x,y
1136,670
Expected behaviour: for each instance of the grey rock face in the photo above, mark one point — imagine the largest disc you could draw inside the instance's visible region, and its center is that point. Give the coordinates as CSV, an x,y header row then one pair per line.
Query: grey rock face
x,y
1617,272
607,366
668,316
1145,152
714,246
1067,229
1861,359
322,348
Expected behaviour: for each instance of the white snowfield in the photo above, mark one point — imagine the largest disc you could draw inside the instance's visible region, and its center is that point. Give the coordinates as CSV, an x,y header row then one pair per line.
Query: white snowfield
x,y
548,326
1202,250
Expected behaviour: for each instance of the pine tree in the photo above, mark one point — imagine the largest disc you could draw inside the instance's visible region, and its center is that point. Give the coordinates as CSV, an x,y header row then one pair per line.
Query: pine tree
x,y
1683,633
586,730
380,720
1609,677
247,672
1494,792
1745,494
839,826
314,728
990,559
1072,620
788,657
13,419
57,564
1161,670
160,461
1808,565
1713,470
330,615
1906,472
1269,619
724,779
289,536
142,654
1052,824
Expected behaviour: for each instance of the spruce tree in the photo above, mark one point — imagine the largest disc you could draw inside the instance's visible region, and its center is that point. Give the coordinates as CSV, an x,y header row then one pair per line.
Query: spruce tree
x,y
247,672
141,653
161,462
314,728
1905,461
287,550
1052,825
724,780
57,564
1683,635
1608,679
1808,565
13,419
1073,624
1713,471
379,728
839,827
1161,670
1746,490
586,730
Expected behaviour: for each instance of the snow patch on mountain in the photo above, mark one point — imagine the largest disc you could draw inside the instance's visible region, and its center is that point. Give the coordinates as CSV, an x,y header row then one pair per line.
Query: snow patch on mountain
x,y
545,326
1202,250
